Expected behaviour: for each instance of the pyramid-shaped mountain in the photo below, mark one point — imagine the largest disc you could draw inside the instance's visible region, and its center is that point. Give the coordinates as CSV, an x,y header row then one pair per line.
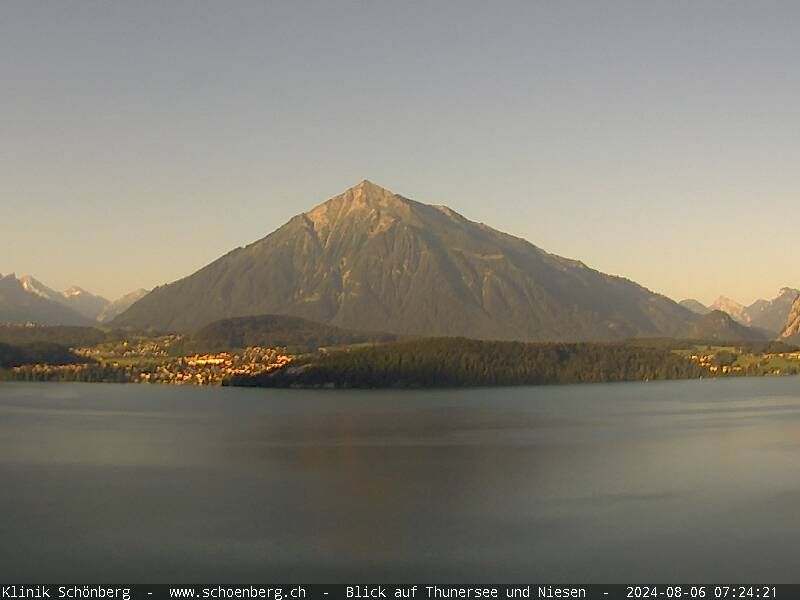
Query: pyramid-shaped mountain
x,y
370,259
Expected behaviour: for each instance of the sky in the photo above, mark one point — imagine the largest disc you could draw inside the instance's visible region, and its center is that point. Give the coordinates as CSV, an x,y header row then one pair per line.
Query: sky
x,y
655,140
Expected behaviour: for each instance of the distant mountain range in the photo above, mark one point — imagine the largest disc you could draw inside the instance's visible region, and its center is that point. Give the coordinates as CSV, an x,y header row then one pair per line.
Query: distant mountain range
x,y
19,305
369,259
78,299
25,299
766,315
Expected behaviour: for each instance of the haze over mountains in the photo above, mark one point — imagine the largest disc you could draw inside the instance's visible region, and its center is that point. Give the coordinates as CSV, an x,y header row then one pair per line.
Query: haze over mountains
x,y
120,305
373,260
25,299
78,299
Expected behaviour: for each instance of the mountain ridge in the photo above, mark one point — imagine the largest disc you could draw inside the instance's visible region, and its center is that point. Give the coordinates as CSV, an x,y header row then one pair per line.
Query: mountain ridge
x,y
18,304
767,315
78,299
731,307
120,305
718,325
83,307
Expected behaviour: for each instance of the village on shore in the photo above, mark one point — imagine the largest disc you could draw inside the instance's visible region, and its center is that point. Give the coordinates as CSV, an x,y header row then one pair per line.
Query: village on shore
x,y
149,360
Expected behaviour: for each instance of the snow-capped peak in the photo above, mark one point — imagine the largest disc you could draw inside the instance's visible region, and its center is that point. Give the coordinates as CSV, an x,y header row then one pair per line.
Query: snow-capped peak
x,y
30,285
73,291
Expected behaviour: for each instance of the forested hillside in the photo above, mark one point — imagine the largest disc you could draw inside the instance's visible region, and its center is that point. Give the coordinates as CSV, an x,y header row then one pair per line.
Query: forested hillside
x,y
294,333
454,362
36,353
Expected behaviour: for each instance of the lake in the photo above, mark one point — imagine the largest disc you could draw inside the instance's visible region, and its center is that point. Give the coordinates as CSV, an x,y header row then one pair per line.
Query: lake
x,y
686,481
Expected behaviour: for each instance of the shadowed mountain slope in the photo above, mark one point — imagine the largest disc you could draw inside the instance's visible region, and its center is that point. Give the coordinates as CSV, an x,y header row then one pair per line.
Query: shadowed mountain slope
x,y
372,260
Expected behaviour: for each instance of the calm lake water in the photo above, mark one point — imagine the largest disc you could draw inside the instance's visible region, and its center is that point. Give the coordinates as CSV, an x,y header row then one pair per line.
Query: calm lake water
x,y
659,482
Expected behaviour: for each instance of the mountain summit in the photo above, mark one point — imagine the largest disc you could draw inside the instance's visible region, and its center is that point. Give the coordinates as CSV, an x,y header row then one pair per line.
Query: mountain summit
x,y
373,260
731,307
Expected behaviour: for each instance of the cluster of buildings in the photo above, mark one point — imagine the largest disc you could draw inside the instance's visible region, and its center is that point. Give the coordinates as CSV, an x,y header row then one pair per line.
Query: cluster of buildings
x,y
706,361
786,355
150,361
770,363
125,349
210,369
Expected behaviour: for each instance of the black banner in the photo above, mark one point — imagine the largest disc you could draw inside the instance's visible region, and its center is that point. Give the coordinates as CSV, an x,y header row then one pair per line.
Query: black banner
x,y
407,591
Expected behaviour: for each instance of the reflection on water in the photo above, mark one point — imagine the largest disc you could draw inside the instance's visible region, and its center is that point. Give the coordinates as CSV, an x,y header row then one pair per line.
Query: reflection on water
x,y
675,481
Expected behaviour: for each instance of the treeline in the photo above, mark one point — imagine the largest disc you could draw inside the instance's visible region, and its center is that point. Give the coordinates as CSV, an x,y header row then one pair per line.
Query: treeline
x,y
294,333
768,347
36,353
457,362
63,335
85,373
742,347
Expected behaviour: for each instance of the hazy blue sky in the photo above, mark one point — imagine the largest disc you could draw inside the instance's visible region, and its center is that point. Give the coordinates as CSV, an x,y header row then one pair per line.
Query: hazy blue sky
x,y
655,140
